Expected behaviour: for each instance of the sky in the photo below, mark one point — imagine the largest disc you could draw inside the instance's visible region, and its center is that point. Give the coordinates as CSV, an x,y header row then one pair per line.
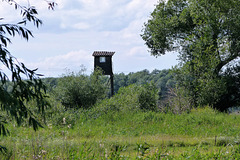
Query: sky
x,y
76,28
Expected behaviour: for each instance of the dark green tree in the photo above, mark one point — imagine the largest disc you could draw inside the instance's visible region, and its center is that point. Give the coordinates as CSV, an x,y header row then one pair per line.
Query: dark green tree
x,y
120,80
206,35
78,90
25,83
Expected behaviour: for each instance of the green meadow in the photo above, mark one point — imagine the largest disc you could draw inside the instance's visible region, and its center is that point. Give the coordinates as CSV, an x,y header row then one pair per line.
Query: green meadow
x,y
202,133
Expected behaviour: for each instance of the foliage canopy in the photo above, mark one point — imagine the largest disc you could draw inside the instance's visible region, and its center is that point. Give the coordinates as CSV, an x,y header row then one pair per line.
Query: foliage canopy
x,y
206,35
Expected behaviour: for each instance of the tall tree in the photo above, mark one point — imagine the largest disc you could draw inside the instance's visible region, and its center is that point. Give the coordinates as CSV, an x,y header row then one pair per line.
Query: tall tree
x,y
206,35
25,83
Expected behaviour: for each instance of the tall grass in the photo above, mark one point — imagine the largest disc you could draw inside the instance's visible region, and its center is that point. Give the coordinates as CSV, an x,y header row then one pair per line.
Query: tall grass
x,y
203,133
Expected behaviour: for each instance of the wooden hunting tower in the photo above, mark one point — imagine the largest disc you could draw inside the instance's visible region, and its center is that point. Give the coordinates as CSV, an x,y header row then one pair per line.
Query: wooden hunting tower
x,y
103,60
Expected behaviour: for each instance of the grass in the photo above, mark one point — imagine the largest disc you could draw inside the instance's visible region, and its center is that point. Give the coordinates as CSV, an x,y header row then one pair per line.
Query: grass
x,y
201,134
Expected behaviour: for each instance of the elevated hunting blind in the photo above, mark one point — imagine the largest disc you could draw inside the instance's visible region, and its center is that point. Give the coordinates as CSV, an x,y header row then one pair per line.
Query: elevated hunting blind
x,y
103,60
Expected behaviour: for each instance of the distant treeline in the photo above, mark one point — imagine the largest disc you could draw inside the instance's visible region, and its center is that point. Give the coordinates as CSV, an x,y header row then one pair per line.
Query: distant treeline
x,y
163,79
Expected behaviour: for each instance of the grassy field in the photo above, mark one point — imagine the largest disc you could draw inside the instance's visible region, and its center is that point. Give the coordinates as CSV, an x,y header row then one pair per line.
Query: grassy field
x,y
200,134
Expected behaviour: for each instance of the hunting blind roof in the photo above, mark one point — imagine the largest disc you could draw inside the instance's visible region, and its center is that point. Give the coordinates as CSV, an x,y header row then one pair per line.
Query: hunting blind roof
x,y
103,53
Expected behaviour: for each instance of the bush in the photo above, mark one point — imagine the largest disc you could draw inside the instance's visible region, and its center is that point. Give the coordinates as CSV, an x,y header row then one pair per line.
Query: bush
x,y
178,101
132,97
148,97
80,90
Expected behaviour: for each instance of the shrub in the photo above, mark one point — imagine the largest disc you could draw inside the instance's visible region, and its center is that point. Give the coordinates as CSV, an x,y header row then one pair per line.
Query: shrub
x,y
80,90
148,97
177,101
132,97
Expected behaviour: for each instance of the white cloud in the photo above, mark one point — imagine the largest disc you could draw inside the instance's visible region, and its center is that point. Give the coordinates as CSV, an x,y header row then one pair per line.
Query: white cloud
x,y
78,27
138,52
100,15
81,26
56,65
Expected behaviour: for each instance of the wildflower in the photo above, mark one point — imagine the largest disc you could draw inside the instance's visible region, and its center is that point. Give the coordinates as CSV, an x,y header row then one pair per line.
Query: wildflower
x,y
101,145
106,156
64,120
50,126
43,152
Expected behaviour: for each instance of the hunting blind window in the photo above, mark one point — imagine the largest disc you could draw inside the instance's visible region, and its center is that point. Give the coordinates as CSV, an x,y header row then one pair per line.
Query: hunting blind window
x,y
102,59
